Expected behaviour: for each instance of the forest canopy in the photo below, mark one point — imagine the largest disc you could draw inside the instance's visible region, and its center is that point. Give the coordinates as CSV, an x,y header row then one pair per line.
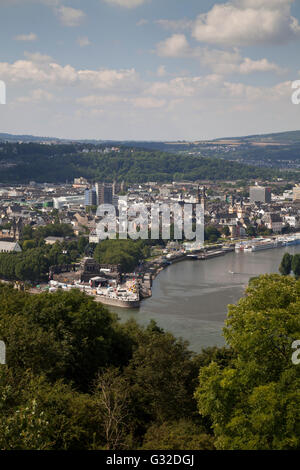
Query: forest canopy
x,y
21,163
76,378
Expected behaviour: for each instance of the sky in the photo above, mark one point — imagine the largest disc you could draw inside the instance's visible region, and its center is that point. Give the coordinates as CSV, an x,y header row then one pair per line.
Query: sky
x,y
149,69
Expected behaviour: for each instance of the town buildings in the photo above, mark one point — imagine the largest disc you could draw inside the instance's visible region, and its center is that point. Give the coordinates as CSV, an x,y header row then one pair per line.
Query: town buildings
x,y
40,204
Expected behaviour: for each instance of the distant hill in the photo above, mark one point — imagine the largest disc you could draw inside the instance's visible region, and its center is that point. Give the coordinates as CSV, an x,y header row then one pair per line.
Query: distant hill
x,y
25,138
288,137
273,151
21,163
40,139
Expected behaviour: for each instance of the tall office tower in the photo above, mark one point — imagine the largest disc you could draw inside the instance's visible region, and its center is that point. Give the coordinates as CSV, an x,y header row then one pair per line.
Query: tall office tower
x,y
104,193
90,197
260,194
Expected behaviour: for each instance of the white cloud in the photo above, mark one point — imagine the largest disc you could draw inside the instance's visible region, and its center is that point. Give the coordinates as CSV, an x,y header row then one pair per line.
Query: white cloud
x,y
253,22
231,62
262,65
186,87
174,46
37,57
26,37
70,16
124,79
209,88
220,61
42,69
142,22
36,96
125,87
248,93
96,101
35,72
148,102
126,3
83,41
93,101
175,25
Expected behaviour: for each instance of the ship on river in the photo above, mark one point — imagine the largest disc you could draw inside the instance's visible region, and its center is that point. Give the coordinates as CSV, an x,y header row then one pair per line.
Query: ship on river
x,y
259,244
126,296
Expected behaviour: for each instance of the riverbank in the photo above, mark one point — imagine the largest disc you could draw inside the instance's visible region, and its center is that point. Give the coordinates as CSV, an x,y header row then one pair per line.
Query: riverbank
x,y
213,251
155,267
190,299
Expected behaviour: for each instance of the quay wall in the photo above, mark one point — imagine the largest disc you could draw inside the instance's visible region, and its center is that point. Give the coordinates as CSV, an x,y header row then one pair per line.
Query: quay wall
x,y
178,258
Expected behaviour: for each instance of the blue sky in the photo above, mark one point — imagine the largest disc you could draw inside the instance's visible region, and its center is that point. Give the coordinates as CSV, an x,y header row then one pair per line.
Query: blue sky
x,y
149,69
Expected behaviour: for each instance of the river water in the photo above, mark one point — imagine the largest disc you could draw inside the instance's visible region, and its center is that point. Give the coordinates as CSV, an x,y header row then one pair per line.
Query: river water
x,y
190,298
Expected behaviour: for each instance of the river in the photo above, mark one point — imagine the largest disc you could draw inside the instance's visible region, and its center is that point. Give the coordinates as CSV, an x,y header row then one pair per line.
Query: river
x,y
190,298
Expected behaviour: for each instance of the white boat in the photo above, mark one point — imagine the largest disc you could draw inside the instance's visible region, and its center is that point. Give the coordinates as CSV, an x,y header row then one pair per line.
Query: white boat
x,y
264,246
260,244
248,248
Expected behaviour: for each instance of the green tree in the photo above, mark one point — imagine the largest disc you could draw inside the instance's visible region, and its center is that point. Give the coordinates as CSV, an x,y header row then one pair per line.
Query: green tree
x,y
126,253
28,244
181,435
27,232
251,231
38,415
212,234
65,335
226,231
254,402
285,267
161,374
296,265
